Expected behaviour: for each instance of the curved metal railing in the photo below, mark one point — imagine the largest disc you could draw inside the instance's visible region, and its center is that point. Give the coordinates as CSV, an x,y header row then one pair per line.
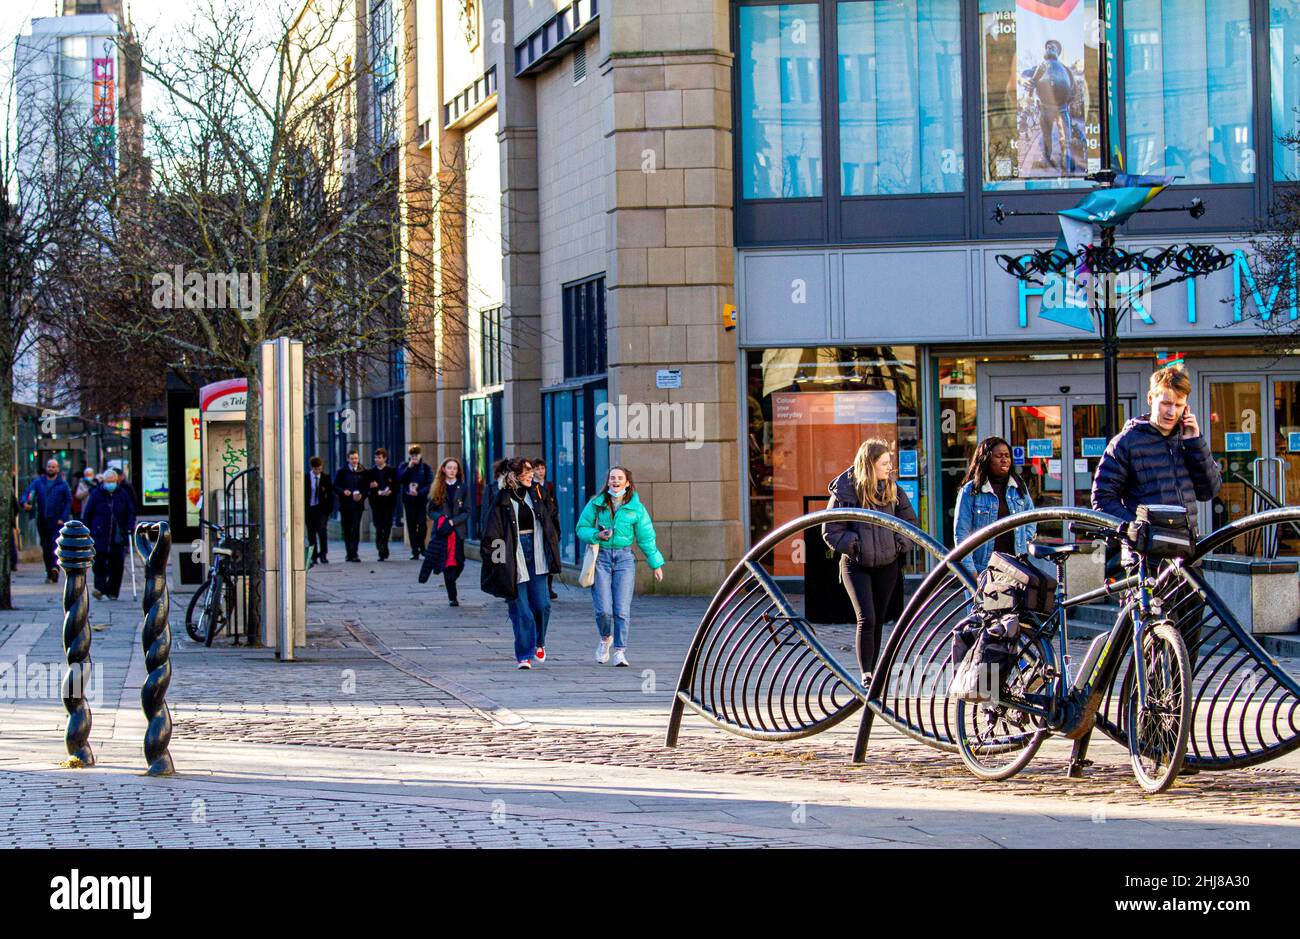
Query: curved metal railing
x,y
755,666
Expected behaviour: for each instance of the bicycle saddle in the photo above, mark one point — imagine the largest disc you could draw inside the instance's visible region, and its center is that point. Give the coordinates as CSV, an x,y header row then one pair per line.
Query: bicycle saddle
x,y
1053,552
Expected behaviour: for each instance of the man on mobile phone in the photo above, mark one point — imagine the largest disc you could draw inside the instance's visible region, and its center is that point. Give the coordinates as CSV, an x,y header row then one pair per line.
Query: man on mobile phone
x,y
1160,458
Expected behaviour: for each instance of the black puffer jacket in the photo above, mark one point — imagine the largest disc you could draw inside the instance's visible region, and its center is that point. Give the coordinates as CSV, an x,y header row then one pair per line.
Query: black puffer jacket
x,y
1142,466
867,545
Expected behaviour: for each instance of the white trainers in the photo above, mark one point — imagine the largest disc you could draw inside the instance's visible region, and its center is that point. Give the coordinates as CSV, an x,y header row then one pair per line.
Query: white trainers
x,y
602,650
620,660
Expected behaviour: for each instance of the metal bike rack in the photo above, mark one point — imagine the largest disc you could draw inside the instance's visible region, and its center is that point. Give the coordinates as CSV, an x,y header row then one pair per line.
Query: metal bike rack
x,y
757,670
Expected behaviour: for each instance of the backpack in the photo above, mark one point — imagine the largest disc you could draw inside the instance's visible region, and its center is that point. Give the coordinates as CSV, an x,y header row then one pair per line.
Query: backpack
x,y
1009,584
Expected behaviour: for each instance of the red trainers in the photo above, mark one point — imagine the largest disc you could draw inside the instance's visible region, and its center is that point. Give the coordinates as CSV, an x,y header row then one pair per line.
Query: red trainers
x,y
540,654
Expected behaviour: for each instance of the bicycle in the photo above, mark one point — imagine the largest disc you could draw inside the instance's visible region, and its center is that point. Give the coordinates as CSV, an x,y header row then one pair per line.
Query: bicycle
x,y
214,601
1037,698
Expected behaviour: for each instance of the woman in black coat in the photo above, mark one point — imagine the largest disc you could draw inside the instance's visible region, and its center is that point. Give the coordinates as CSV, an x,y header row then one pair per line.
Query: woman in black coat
x,y
447,542
517,553
869,554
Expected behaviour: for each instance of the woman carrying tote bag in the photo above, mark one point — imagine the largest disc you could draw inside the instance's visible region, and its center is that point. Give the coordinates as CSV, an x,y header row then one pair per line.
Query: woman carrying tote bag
x,y
612,521
869,554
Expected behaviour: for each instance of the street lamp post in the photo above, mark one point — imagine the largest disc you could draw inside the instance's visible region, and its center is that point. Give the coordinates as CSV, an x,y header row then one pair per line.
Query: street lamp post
x,y
1101,263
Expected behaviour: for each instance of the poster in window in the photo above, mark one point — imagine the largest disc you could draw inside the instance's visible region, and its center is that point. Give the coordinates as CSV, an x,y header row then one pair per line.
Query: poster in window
x,y
193,468
153,465
1040,65
815,436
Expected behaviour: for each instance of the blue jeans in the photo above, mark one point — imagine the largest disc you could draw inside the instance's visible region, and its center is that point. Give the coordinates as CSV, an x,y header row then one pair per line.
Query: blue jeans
x,y
611,593
530,611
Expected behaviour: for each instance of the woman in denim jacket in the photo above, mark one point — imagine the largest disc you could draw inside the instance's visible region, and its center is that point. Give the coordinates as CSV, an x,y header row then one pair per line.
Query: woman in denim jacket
x,y
992,490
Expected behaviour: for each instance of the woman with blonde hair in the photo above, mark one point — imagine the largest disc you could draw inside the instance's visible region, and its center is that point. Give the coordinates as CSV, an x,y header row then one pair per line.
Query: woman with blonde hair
x,y
869,554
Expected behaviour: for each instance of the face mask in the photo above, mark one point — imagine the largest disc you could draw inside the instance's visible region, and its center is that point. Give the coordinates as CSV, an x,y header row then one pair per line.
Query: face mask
x,y
110,486
617,493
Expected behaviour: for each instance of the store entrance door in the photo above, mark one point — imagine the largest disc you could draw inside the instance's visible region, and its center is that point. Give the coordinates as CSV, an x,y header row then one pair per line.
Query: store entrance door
x,y
1056,443
1253,422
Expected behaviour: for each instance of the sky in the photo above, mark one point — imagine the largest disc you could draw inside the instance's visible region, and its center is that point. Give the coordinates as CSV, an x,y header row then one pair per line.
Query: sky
x,y
153,20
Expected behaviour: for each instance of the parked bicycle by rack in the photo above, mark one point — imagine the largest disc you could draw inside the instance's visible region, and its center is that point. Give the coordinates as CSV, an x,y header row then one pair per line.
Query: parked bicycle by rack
x,y
1036,695
212,607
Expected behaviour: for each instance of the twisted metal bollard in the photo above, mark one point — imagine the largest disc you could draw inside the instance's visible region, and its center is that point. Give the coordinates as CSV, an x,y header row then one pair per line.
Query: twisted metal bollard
x,y
76,553
156,638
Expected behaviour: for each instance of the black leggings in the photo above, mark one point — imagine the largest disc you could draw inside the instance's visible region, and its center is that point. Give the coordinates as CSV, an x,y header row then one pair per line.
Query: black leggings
x,y
870,589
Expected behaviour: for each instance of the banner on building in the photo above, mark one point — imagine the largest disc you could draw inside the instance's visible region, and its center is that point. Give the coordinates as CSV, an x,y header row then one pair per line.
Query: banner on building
x,y
1046,50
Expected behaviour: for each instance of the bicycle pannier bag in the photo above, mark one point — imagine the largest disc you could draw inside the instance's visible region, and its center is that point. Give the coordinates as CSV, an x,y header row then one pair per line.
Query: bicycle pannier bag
x,y
1009,583
1166,532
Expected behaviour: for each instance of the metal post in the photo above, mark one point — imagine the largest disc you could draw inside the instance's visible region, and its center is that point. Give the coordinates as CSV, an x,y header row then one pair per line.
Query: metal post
x,y
156,638
76,553
1109,338
284,394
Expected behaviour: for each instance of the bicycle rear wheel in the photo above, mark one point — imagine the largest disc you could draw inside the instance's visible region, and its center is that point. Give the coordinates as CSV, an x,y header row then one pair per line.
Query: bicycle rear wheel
x,y
996,739
193,613
1158,733
218,610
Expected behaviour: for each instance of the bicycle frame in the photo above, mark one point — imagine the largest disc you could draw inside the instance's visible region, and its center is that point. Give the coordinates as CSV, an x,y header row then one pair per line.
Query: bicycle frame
x,y
1070,706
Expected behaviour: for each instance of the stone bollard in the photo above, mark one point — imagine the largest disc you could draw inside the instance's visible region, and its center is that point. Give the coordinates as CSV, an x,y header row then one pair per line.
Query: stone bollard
x,y
76,553
153,542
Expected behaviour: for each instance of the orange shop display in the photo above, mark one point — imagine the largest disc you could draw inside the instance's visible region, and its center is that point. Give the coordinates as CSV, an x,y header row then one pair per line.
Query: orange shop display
x,y
815,436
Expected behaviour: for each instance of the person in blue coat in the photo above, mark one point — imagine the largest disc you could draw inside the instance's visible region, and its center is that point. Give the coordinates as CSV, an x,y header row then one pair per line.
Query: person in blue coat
x,y
53,501
992,490
110,516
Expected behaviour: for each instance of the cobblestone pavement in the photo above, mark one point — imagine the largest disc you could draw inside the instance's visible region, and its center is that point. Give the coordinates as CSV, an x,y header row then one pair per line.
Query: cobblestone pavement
x,y
35,811
325,749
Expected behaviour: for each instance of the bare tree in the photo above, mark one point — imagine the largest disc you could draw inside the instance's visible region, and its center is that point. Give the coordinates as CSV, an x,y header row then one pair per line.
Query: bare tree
x,y
275,206
1277,258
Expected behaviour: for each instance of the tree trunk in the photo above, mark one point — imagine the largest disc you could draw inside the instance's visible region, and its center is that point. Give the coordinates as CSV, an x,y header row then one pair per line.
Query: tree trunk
x,y
8,457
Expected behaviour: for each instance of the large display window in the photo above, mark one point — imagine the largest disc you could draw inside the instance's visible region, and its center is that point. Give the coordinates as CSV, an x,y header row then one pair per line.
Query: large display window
x,y
780,69
900,97
1188,89
808,412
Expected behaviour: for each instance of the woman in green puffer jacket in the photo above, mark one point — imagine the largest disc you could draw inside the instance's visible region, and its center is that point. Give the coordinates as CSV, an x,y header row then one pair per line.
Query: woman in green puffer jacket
x,y
612,520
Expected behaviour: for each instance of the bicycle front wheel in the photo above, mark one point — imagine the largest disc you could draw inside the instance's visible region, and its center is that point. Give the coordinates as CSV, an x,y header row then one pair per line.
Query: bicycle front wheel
x,y
1158,732
997,739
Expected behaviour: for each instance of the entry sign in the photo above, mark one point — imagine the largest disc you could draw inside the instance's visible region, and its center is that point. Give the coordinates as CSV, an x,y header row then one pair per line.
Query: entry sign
x,y
1293,441
1018,456
907,463
1094,447
1040,448
909,486
1237,443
